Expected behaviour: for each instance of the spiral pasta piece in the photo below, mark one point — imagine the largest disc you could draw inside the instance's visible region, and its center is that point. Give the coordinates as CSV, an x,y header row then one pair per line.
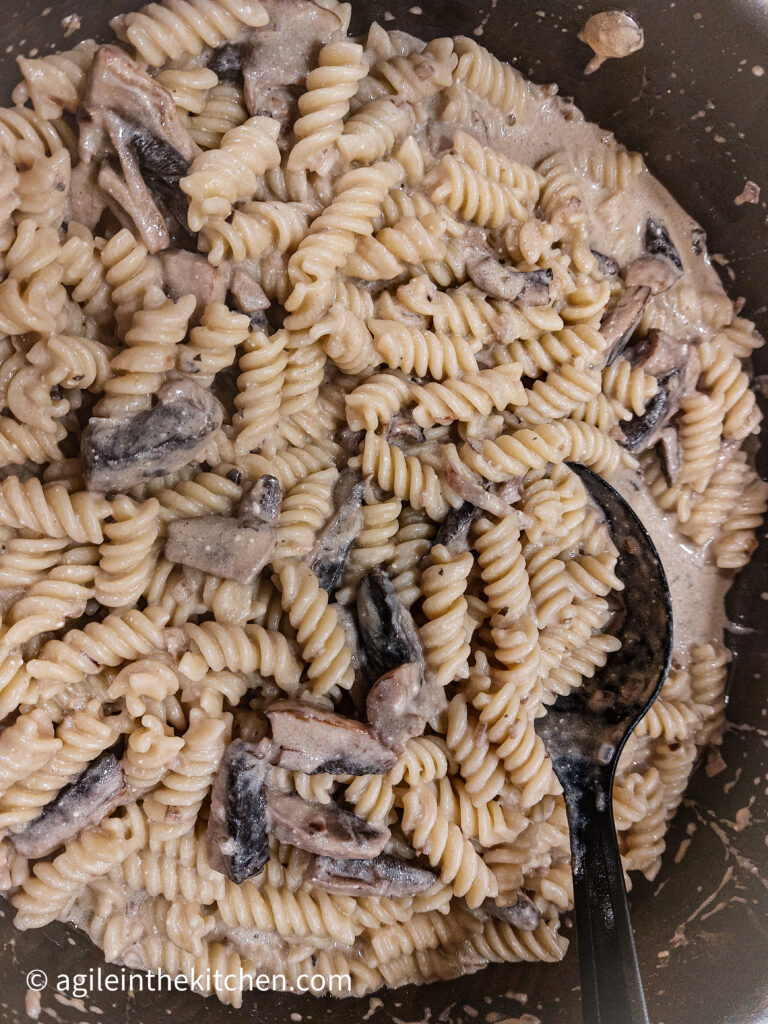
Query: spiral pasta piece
x,y
318,633
443,844
325,104
219,178
475,394
446,649
176,28
404,476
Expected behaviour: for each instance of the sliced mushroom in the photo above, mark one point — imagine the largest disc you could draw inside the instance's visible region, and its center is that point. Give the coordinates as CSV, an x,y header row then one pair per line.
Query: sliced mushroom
x,y
469,487
658,243
454,529
189,273
359,690
531,288
400,703
388,634
670,454
312,740
324,829
655,272
247,294
403,425
275,58
236,839
82,804
260,504
128,113
384,875
524,914
220,546
643,431
85,201
118,454
331,550
227,62
676,368
619,325
606,264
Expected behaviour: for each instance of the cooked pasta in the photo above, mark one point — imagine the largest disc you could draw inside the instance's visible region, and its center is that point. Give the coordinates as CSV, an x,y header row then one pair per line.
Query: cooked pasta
x,y
302,479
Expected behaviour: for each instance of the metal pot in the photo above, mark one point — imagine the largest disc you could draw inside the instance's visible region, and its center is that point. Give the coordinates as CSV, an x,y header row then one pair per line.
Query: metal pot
x,y
694,101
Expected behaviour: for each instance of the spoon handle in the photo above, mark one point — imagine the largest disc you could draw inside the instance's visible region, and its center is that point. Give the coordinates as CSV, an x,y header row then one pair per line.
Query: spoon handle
x,y
611,986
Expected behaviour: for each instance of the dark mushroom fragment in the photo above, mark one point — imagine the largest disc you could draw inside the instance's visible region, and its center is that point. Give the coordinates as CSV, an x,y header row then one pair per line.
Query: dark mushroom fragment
x,y
619,325
454,529
324,829
606,264
388,633
260,504
524,914
658,243
531,288
227,62
655,272
642,431
94,794
127,114
313,740
359,690
384,875
118,454
236,840
675,367
670,454
189,273
335,540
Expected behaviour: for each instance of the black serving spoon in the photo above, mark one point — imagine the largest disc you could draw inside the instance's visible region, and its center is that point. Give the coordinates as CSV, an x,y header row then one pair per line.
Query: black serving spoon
x,y
584,733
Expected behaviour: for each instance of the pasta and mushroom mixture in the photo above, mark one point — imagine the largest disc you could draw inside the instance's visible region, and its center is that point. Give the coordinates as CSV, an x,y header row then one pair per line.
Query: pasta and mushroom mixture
x,y
300,332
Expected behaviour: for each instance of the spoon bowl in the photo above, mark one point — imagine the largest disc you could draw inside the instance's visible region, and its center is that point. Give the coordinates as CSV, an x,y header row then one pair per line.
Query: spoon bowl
x,y
584,732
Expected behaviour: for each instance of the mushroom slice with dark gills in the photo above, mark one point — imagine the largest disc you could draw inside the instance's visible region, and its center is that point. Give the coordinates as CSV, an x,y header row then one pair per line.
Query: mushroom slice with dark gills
x,y
334,541
118,454
311,740
126,114
676,368
606,264
619,324
524,914
403,698
324,829
531,288
236,839
658,243
94,794
235,549
453,532
384,875
388,634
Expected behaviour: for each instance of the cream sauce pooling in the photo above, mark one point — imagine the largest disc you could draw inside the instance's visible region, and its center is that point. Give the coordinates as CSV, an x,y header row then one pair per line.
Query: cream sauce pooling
x,y
617,228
